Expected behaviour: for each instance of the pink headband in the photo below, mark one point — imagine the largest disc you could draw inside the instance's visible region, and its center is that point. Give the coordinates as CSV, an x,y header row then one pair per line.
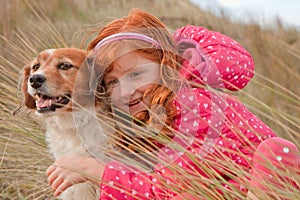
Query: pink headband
x,y
126,36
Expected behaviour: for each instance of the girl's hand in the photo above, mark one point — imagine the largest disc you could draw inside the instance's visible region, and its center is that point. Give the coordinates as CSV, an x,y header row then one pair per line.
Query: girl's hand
x,y
69,170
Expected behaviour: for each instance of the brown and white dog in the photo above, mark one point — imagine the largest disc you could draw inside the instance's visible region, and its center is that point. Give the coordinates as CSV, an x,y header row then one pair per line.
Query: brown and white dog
x,y
50,84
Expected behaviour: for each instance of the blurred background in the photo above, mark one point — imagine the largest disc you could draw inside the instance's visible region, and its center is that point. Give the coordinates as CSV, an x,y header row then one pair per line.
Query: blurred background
x,y
28,26
264,12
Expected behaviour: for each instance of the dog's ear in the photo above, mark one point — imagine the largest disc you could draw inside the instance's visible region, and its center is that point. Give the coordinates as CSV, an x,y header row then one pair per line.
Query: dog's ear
x,y
29,101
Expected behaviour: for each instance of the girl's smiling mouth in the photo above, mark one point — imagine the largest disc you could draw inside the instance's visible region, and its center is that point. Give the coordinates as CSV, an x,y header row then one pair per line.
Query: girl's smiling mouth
x,y
134,102
136,105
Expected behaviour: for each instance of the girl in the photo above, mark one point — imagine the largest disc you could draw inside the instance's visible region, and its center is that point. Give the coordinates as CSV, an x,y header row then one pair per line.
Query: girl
x,y
179,135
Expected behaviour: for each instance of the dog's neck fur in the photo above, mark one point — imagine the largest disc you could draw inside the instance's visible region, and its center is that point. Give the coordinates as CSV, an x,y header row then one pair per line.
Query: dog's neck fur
x,y
80,133
75,133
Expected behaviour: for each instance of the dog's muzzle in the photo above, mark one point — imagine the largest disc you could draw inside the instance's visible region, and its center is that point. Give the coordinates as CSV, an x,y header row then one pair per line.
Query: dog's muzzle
x,y
37,80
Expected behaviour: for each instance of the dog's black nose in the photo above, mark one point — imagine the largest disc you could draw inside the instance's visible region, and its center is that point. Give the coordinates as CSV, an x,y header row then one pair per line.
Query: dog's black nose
x,y
37,80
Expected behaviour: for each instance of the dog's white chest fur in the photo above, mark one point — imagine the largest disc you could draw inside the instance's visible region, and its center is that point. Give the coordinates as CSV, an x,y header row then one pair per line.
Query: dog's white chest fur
x,y
76,133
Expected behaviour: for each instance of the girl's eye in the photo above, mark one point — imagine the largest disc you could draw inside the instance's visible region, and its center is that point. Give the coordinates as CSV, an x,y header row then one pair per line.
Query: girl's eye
x,y
112,83
36,66
134,74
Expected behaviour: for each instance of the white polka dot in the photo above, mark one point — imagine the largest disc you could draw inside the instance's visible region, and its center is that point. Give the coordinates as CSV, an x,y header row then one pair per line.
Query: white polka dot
x,y
180,164
279,158
286,150
270,176
111,183
134,192
195,124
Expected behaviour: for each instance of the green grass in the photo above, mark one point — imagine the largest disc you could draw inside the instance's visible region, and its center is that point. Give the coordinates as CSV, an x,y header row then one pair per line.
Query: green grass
x,y
28,27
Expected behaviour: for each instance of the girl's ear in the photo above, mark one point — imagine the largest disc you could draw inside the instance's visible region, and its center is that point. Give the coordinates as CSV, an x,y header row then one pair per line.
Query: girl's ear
x,y
29,101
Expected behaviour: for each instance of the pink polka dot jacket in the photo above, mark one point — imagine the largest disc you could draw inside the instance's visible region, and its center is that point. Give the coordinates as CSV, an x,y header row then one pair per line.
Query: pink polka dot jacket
x,y
217,128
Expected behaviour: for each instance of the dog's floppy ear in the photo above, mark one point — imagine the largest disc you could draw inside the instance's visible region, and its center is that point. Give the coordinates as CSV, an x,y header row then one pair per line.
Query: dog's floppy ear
x,y
29,101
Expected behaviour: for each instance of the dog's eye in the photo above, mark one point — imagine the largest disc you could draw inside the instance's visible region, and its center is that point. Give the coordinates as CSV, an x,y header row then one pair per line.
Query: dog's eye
x,y
64,66
36,66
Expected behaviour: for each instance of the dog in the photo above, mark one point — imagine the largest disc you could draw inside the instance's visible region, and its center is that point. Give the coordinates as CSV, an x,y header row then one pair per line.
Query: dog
x,y
58,86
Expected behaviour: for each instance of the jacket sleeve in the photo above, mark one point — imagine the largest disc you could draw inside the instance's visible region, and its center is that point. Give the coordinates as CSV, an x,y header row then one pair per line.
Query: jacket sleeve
x,y
123,182
120,182
213,58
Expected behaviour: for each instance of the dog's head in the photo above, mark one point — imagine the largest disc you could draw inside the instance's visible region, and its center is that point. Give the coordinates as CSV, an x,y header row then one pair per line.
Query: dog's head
x,y
48,81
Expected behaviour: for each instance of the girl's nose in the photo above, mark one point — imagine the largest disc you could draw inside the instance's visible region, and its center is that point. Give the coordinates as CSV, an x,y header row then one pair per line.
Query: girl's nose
x,y
126,90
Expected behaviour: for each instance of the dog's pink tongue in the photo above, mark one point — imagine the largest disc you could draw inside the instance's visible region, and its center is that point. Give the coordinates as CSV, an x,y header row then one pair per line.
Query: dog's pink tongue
x,y
42,103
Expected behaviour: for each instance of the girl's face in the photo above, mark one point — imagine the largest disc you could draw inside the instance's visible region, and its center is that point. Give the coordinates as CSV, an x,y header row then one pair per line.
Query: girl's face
x,y
132,74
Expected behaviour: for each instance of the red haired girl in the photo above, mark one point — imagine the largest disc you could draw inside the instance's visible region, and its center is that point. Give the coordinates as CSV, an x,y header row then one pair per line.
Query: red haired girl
x,y
178,133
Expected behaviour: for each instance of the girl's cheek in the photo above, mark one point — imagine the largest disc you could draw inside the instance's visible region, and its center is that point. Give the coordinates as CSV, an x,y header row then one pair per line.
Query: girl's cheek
x,y
114,98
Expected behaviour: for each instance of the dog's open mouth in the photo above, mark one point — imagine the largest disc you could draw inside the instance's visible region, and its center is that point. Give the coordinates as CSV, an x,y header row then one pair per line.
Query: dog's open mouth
x,y
46,103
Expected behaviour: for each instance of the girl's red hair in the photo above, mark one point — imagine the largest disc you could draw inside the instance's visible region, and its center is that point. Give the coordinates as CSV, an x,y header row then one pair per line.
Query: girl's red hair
x,y
139,21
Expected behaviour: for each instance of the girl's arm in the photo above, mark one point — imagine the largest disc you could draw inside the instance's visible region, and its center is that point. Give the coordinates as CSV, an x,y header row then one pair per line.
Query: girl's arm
x,y
213,58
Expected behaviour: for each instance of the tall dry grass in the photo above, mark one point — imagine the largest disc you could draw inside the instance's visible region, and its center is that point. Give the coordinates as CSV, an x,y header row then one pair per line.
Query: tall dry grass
x,y
30,26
